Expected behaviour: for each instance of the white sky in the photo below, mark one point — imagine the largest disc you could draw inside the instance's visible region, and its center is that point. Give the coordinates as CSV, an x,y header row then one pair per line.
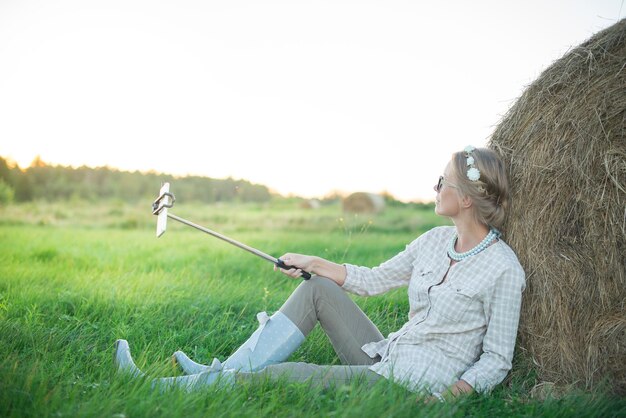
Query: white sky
x,y
302,96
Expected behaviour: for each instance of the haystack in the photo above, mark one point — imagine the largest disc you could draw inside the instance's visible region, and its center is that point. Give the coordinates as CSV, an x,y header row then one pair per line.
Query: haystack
x,y
311,204
565,143
361,202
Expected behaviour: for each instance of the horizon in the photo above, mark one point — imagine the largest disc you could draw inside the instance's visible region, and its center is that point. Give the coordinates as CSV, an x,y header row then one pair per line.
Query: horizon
x,y
341,193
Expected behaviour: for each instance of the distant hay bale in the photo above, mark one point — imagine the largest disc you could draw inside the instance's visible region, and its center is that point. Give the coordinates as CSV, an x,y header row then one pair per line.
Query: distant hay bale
x,y
565,144
361,202
310,204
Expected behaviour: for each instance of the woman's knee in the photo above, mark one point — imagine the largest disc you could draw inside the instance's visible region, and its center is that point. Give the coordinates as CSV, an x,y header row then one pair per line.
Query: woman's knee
x,y
316,286
307,298
320,286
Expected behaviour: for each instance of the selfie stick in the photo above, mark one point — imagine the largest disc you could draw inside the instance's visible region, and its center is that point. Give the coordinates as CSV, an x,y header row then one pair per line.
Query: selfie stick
x,y
166,200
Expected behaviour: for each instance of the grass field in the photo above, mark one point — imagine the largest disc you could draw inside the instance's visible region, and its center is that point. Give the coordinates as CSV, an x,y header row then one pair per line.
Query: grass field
x,y
76,276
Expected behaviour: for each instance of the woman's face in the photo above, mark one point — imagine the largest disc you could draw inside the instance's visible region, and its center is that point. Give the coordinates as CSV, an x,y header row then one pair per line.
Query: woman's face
x,y
448,201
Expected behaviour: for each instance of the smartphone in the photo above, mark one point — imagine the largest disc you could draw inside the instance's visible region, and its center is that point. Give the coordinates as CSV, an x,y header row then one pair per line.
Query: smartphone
x,y
164,203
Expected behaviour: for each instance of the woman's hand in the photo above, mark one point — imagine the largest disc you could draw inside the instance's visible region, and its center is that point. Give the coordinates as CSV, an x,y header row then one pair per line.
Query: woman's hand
x,y
313,265
300,262
459,388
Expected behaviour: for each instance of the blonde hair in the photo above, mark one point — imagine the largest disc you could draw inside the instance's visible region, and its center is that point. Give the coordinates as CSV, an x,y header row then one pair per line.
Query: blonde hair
x,y
490,194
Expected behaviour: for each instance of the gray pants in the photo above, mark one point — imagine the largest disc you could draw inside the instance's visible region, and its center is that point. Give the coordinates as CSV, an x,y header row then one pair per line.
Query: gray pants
x,y
348,328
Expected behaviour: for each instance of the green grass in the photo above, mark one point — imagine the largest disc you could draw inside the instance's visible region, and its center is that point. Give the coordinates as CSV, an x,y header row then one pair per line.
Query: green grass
x,y
75,277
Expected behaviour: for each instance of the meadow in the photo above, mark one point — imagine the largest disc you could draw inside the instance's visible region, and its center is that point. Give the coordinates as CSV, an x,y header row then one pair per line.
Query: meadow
x,y
76,276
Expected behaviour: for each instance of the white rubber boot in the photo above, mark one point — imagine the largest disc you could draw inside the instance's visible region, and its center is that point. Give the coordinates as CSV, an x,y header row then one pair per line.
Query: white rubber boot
x,y
188,365
124,361
273,342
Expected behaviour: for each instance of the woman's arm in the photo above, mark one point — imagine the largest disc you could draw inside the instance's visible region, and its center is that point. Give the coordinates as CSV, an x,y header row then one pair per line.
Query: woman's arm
x,y
315,265
362,281
365,281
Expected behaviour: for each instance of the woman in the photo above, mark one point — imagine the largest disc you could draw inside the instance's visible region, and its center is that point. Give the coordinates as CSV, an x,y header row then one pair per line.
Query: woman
x,y
464,287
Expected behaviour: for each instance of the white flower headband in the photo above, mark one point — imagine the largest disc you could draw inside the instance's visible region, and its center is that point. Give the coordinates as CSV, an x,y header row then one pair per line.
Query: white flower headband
x,y
472,173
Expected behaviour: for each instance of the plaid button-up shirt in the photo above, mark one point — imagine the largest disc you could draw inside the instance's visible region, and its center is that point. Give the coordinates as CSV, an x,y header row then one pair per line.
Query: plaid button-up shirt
x,y
463,328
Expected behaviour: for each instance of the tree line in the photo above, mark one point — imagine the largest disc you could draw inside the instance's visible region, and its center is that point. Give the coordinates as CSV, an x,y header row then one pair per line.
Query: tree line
x,y
42,181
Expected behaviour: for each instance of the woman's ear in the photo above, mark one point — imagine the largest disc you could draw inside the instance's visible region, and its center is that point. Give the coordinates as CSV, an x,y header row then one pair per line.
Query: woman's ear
x,y
466,202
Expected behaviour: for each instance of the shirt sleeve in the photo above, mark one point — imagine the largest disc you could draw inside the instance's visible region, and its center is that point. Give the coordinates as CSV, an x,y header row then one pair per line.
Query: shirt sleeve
x,y
499,341
396,272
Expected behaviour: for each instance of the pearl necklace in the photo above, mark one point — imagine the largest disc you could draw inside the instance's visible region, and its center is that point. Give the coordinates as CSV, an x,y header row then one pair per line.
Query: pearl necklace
x,y
491,236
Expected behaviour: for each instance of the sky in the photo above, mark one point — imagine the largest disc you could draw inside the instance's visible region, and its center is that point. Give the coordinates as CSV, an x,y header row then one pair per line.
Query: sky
x,y
306,97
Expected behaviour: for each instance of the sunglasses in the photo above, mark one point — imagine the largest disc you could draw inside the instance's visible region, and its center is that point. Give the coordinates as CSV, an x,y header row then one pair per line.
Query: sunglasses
x,y
440,184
